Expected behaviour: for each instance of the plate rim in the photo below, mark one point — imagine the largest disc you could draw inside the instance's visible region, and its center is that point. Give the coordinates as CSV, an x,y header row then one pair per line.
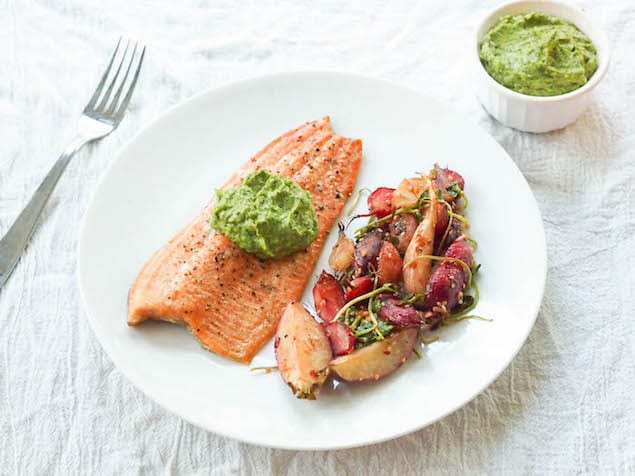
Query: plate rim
x,y
286,75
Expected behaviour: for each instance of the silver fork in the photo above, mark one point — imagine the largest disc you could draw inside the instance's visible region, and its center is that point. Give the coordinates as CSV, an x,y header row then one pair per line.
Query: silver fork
x,y
100,117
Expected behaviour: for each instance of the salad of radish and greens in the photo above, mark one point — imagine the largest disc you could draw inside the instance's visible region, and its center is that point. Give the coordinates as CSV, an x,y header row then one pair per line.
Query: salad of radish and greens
x,y
407,271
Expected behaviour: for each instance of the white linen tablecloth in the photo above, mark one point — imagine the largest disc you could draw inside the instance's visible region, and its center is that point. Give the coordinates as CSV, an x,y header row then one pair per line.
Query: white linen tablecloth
x,y
566,404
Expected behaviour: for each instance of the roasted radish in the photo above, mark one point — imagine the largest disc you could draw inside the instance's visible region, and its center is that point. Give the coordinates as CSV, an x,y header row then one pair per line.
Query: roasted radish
x,y
402,229
450,183
302,350
443,220
380,202
409,192
388,264
357,287
402,315
367,250
342,254
328,296
416,265
454,232
449,279
377,359
341,338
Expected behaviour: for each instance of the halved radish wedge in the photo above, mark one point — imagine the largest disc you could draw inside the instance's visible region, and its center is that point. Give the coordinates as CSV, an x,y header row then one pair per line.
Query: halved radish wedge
x,y
302,350
389,264
377,359
328,296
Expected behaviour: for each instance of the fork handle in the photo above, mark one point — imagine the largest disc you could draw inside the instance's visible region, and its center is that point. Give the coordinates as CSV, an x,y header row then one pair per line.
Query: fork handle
x,y
15,240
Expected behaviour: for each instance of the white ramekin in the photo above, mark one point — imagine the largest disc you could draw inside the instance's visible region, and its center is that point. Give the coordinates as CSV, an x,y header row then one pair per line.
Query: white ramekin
x,y
538,113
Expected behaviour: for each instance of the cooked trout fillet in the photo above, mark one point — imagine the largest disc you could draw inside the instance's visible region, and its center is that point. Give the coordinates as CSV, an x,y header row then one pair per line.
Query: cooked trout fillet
x,y
229,299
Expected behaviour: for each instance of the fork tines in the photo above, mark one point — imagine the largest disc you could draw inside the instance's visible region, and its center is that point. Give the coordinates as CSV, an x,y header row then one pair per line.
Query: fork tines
x,y
119,78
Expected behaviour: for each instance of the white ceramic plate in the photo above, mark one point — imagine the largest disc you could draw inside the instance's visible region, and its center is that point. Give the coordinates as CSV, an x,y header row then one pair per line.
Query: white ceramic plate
x,y
163,177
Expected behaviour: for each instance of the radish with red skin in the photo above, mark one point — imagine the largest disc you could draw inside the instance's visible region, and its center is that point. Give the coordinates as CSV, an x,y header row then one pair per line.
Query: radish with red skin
x,y
380,202
402,315
402,229
461,250
455,231
328,296
388,264
357,287
449,279
443,220
341,338
367,250
445,177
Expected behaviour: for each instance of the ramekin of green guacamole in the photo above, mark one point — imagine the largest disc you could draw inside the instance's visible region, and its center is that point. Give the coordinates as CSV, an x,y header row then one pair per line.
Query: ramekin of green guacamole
x,y
538,54
537,62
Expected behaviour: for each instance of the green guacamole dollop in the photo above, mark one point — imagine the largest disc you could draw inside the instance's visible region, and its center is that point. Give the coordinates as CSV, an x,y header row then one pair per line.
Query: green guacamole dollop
x,y
538,54
268,215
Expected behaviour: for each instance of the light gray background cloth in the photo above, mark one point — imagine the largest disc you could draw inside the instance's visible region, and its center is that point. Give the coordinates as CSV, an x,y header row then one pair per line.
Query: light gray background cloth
x,y
566,404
